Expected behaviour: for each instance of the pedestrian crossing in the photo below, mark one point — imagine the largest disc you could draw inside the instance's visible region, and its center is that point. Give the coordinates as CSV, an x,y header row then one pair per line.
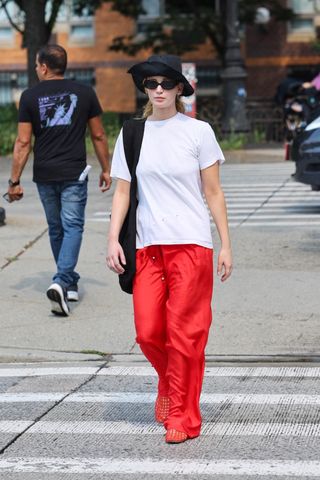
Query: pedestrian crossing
x,y
97,420
261,195
265,195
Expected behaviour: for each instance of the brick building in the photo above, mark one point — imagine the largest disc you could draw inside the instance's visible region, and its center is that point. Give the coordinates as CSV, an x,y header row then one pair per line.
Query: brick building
x,y
87,40
279,49
270,52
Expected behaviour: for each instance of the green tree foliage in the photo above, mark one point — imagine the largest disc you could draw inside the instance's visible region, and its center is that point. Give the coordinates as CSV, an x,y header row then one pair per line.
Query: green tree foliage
x,y
35,20
186,23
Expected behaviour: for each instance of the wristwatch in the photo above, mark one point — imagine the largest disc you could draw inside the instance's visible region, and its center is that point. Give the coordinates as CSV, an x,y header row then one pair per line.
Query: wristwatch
x,y
13,184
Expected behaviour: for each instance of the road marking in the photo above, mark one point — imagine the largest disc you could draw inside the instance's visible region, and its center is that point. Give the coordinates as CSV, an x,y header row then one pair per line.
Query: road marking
x,y
143,428
35,372
138,397
280,195
14,426
312,372
285,216
31,397
248,223
185,466
295,372
208,398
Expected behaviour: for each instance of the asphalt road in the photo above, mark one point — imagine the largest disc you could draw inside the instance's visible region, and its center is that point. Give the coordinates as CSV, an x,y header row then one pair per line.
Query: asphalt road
x,y
79,405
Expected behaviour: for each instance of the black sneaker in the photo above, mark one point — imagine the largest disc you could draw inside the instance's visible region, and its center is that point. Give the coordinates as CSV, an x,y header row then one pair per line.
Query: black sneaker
x,y
59,305
72,293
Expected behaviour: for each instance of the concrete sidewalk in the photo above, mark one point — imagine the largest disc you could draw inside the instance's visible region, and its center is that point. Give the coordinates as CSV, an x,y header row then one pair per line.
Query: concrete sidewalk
x,y
247,321
28,330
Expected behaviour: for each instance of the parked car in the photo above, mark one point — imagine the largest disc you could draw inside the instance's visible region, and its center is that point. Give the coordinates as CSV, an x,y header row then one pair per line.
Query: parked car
x,y
301,106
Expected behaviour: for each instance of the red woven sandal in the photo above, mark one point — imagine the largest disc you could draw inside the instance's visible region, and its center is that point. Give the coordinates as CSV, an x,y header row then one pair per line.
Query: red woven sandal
x,y
174,436
161,409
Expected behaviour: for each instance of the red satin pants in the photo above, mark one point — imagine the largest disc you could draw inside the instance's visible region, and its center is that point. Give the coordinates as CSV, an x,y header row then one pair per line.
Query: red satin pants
x,y
172,295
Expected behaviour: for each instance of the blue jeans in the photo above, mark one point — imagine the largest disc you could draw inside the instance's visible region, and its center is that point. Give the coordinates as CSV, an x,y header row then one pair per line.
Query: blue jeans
x,y
64,205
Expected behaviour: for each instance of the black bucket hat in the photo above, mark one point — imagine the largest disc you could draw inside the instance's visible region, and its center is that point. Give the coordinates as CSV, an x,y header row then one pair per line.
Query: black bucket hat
x,y
162,65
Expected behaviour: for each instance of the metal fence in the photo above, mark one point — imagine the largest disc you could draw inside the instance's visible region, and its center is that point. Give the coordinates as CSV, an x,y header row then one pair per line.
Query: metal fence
x,y
266,118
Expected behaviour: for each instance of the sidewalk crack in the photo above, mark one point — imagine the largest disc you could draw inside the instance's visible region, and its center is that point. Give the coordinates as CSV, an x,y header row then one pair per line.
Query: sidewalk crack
x,y
25,248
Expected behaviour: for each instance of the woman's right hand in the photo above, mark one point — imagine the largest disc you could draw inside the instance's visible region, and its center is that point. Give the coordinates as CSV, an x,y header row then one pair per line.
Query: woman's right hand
x,y
115,255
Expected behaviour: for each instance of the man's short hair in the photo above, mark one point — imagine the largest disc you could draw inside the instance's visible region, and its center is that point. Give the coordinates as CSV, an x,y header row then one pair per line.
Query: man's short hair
x,y
55,57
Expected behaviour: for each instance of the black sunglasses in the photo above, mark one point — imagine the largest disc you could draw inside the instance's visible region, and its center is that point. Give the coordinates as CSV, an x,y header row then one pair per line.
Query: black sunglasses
x,y
165,84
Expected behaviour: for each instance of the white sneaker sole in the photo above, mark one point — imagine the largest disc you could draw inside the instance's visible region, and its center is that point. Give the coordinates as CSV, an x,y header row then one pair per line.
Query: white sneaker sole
x,y
72,296
58,304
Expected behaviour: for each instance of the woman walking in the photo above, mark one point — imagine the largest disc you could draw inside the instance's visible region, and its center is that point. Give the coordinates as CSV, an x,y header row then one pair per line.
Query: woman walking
x,y
173,282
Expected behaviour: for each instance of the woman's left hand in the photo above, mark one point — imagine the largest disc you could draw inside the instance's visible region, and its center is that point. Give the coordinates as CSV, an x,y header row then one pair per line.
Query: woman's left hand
x,y
224,264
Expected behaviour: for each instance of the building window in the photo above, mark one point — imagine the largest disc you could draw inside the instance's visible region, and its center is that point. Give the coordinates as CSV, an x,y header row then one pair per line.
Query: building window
x,y
81,26
85,76
304,23
82,33
6,30
6,34
154,10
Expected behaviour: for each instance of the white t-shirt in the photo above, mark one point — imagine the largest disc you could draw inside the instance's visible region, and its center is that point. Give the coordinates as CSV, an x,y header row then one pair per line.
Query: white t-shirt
x,y
171,207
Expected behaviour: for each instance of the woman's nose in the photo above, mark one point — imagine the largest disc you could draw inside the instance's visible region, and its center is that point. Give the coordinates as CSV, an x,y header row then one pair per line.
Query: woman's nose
x,y
159,89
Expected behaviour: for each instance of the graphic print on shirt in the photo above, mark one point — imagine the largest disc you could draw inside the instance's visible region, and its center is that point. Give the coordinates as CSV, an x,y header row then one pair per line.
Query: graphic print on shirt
x,y
57,109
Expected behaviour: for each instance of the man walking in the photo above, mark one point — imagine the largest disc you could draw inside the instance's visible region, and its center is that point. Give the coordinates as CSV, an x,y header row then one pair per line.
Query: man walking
x,y
57,112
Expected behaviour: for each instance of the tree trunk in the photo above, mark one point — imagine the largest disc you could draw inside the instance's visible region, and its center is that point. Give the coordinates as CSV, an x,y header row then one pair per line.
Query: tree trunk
x,y
36,33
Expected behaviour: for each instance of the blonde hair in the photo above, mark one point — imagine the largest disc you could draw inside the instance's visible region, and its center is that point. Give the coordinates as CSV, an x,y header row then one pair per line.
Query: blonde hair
x,y
148,109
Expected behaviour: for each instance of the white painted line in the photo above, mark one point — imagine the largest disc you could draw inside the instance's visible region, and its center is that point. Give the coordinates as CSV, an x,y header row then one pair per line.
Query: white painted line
x,y
101,214
31,397
284,216
99,220
138,397
283,188
266,209
280,224
277,195
35,372
291,372
208,429
206,398
150,466
149,371
14,426
251,185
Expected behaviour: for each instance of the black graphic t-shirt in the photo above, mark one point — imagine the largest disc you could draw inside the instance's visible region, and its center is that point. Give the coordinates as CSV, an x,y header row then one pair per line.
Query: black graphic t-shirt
x,y
58,111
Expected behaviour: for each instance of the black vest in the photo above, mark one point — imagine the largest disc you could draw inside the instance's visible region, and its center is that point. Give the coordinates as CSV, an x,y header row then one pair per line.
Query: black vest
x,y
132,139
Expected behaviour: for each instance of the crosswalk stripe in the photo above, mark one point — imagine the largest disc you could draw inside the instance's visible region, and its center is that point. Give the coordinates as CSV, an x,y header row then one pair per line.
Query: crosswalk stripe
x,y
149,371
155,466
282,195
34,372
14,426
239,428
261,216
293,372
280,224
138,397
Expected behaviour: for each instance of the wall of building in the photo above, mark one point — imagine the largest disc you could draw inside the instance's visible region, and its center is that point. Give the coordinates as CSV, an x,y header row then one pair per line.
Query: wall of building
x,y
271,53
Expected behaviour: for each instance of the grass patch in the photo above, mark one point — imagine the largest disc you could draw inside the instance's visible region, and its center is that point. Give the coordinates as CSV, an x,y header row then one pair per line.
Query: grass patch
x,y
94,352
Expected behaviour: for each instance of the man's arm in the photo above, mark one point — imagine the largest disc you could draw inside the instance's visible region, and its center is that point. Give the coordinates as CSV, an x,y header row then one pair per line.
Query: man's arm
x,y
100,143
22,148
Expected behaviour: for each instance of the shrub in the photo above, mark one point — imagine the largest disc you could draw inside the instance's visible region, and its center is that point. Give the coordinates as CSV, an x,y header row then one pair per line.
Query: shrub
x,y
8,128
112,127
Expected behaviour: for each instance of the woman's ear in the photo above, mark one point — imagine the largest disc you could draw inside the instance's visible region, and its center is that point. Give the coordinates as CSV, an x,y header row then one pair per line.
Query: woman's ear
x,y
180,89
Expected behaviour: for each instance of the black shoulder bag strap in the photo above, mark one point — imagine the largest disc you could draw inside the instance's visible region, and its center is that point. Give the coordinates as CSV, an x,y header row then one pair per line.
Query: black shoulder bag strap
x,y
132,139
